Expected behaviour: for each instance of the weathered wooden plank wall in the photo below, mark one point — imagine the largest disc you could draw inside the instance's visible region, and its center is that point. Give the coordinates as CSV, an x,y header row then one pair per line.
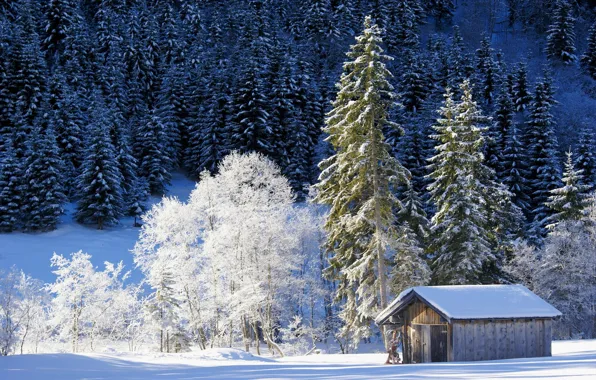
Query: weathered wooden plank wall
x,y
500,339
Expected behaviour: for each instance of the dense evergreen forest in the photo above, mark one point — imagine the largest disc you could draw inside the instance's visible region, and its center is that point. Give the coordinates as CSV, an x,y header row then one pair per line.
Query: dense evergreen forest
x,y
454,144
101,100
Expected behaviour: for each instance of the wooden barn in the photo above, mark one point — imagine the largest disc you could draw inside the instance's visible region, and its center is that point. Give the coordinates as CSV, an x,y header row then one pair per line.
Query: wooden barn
x,y
470,323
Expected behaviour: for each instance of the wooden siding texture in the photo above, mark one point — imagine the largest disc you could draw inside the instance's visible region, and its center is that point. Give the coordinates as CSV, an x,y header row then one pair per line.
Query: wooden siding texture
x,y
500,339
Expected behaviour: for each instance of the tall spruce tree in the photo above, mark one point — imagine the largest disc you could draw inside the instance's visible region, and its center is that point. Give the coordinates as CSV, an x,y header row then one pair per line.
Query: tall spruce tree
x,y
486,67
100,180
521,92
570,201
541,144
499,132
10,189
514,170
43,197
356,182
154,161
586,157
409,268
588,59
560,40
468,219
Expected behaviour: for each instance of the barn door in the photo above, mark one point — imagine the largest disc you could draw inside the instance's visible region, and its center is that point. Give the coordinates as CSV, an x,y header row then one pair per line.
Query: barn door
x,y
438,343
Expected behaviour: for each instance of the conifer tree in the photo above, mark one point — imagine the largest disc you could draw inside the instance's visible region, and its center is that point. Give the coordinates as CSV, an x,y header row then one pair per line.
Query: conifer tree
x,y
514,170
154,162
10,189
499,132
570,201
26,75
459,65
136,199
521,93
43,181
409,269
251,131
401,31
541,144
360,218
414,87
67,119
588,59
467,199
586,157
100,192
413,214
210,142
560,40
487,70
316,19
413,150
442,10
59,17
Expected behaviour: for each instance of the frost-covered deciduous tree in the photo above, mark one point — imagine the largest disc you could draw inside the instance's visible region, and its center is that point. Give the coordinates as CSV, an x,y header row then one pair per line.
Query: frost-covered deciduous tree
x,y
228,263
563,272
357,181
86,302
23,304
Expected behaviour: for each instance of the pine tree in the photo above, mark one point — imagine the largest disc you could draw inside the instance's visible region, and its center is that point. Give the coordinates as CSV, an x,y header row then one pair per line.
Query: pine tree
x,y
487,70
10,189
588,60
154,162
410,268
414,87
413,214
402,29
413,151
514,170
68,120
100,192
467,199
459,65
251,131
43,181
521,93
560,39
316,19
586,157
499,132
541,144
60,14
570,201
361,217
26,75
442,10
136,199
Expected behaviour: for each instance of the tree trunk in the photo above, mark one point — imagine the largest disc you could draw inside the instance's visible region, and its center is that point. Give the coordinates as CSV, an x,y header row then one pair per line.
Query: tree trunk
x,y
256,331
378,231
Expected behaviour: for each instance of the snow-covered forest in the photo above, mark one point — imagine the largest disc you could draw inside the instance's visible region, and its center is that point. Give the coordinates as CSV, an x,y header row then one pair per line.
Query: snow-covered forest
x,y
343,151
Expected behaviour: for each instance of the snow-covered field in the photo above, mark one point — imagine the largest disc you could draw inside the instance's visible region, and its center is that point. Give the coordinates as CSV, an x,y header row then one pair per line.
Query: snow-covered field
x,y
571,360
31,252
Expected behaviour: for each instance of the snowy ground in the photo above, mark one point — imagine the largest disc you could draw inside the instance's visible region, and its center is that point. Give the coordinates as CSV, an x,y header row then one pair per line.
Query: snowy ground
x,y
571,360
32,252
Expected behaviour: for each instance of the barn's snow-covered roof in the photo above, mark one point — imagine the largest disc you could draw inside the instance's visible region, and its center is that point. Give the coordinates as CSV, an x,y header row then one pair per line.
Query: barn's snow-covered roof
x,y
474,302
